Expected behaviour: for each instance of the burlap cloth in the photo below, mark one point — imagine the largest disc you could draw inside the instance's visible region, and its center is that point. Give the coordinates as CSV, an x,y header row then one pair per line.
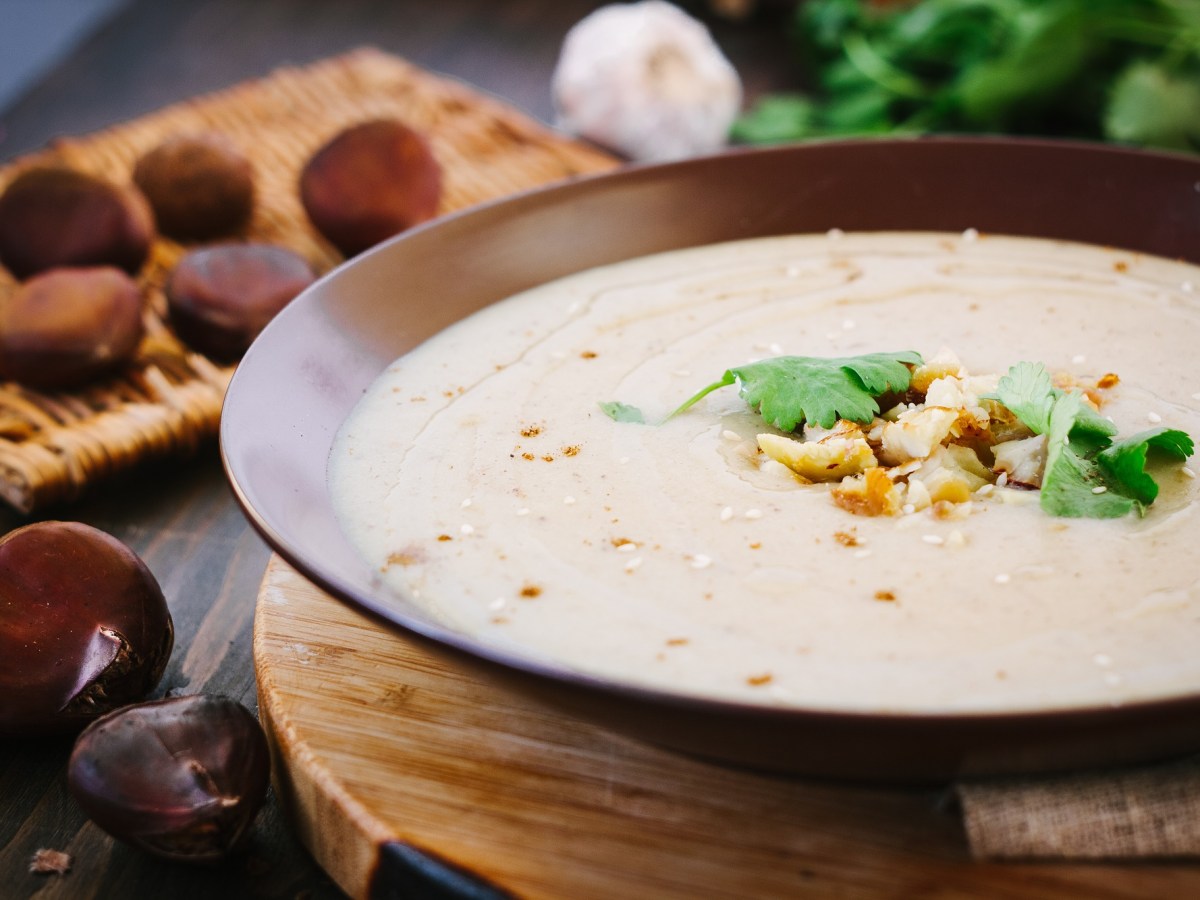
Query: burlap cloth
x,y
1146,812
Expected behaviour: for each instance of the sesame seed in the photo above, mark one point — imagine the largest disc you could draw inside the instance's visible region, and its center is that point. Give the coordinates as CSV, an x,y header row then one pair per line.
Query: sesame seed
x,y
568,500
908,509
985,490
1153,418
935,539
1078,359
467,529
753,514
835,234
956,539
466,503
498,603
1099,489
970,234
862,554
1002,479
1102,659
627,547
523,511
1188,471
700,561
633,564
731,435
1003,578
776,349
726,514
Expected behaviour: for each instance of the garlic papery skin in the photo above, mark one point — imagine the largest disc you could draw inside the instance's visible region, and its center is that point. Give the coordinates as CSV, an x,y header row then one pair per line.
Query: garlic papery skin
x,y
646,80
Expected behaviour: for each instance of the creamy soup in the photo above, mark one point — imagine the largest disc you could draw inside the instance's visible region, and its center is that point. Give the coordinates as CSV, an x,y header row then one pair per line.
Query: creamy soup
x,y
481,478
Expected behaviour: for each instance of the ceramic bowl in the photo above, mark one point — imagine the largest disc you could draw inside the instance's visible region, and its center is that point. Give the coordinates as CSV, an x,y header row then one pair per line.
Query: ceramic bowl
x,y
302,377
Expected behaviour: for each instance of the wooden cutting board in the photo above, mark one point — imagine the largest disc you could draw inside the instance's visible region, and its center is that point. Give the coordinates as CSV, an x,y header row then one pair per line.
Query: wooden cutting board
x,y
408,777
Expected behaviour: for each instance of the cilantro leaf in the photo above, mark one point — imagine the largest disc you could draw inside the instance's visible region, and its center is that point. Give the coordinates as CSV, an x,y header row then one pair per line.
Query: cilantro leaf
x,y
1026,389
1084,479
622,412
1125,461
1152,106
789,390
777,118
1086,474
1073,484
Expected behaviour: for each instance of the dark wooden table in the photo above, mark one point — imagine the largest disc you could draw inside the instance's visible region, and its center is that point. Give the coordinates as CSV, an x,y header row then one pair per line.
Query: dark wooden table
x,y
182,519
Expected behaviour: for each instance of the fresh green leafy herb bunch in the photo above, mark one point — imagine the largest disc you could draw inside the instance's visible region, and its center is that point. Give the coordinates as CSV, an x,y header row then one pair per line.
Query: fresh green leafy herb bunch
x,y
1119,70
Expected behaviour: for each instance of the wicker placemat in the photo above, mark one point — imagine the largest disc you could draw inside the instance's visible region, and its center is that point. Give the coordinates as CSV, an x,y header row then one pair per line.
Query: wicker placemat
x,y
53,446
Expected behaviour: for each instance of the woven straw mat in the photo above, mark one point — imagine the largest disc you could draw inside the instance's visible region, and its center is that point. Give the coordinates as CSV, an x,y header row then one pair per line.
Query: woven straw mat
x,y
168,402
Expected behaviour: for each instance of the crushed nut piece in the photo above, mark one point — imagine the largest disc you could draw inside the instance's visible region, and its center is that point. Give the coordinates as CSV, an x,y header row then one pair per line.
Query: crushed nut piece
x,y
50,862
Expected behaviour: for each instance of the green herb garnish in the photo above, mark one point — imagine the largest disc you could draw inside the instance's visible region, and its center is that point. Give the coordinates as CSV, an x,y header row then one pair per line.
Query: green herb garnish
x,y
1121,70
1086,474
623,412
789,390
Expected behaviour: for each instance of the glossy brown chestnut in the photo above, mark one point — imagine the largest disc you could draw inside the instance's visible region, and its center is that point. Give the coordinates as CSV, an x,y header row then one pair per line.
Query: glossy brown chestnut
x,y
199,186
219,298
53,217
370,182
182,777
66,327
84,627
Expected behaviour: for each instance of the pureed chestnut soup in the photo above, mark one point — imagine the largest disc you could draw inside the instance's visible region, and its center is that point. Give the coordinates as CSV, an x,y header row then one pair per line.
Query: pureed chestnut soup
x,y
481,476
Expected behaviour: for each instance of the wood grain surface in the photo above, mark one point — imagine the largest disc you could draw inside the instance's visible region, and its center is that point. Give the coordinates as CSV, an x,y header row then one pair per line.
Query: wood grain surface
x,y
383,742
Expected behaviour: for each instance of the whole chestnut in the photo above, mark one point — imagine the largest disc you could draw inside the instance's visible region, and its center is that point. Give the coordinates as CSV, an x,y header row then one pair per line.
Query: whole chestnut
x,y
182,777
370,182
66,327
219,298
84,627
199,186
52,217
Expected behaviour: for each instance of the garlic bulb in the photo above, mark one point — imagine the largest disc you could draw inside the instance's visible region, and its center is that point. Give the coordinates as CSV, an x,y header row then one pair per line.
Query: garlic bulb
x,y
646,80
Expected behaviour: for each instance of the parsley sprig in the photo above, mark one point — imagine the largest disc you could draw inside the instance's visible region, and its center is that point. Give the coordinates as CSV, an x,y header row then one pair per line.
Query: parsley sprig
x,y
1121,70
1087,475
789,390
